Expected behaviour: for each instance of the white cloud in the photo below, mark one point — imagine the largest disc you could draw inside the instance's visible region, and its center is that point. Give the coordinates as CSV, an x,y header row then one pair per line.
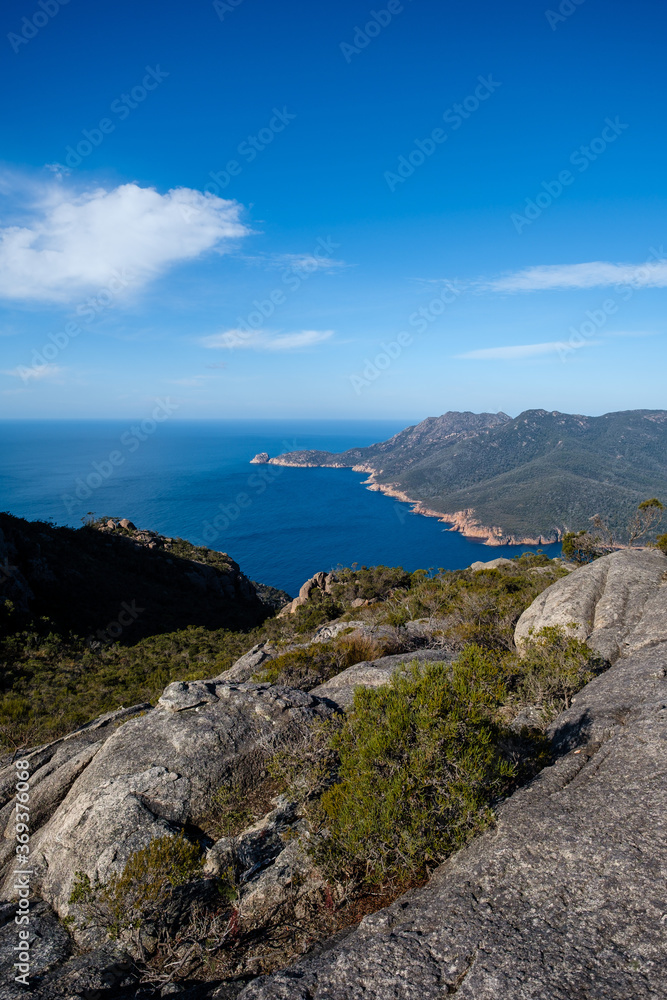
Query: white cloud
x,y
596,274
231,339
36,372
68,243
517,352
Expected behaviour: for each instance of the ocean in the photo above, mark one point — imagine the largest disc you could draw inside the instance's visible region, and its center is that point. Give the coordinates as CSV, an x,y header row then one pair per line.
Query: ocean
x,y
193,480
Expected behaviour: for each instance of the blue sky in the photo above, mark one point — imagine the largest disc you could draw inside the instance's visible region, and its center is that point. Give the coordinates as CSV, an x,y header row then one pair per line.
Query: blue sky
x,y
332,210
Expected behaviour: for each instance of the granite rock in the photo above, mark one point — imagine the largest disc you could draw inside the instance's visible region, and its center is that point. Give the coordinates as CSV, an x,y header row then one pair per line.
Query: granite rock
x,y
617,604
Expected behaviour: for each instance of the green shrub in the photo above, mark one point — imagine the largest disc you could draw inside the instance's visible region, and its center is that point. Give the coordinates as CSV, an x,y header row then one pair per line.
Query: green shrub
x,y
306,668
551,667
368,583
419,763
529,560
480,607
140,893
661,542
320,609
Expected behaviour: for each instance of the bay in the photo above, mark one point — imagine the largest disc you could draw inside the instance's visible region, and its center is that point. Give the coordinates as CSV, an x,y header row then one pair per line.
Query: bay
x,y
193,479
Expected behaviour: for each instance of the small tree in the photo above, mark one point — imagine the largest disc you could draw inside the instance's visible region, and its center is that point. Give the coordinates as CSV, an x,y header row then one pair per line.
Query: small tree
x,y
583,547
648,514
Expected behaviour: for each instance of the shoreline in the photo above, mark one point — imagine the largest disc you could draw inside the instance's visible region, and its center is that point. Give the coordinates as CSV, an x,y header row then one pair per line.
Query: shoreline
x,y
463,521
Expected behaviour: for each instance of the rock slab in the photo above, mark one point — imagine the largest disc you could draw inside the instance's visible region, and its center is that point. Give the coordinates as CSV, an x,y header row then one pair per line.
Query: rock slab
x,y
617,604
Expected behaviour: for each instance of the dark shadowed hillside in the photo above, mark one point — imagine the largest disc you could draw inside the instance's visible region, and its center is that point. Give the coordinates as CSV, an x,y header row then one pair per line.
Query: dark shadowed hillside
x,y
531,477
118,583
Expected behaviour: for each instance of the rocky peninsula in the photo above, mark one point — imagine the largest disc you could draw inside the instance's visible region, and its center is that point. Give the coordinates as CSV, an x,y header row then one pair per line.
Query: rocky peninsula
x,y
505,481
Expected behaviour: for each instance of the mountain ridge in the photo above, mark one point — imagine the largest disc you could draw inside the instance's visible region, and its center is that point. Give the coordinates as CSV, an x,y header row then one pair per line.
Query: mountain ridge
x,y
522,480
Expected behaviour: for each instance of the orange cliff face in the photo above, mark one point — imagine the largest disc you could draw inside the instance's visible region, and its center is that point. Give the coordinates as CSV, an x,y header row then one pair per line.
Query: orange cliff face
x,y
464,521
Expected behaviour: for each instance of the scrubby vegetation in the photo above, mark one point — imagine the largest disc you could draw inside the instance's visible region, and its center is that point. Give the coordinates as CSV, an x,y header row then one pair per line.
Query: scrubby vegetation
x,y
586,545
55,679
418,764
411,773
140,894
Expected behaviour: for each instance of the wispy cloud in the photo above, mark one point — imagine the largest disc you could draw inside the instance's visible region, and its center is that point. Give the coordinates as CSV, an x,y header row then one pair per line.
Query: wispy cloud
x,y
66,242
265,341
37,372
305,263
191,382
595,274
516,352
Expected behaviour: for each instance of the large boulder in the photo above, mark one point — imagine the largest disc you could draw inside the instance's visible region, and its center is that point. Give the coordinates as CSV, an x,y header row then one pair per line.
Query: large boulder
x,y
491,564
153,775
617,604
248,664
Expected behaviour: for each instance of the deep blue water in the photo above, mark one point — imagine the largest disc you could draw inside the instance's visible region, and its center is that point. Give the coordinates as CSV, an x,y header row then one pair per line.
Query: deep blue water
x,y
281,525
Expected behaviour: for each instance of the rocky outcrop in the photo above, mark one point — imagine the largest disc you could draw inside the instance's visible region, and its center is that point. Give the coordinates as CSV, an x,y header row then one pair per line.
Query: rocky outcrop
x,y
319,582
374,673
153,775
248,664
491,564
563,899
616,604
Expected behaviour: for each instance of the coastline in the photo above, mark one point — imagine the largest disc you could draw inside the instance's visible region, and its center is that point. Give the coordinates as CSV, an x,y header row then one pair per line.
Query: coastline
x,y
463,521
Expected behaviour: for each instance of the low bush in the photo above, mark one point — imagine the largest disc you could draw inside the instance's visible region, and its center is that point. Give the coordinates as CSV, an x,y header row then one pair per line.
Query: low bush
x,y
368,583
306,668
419,762
320,609
140,894
552,666
582,547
